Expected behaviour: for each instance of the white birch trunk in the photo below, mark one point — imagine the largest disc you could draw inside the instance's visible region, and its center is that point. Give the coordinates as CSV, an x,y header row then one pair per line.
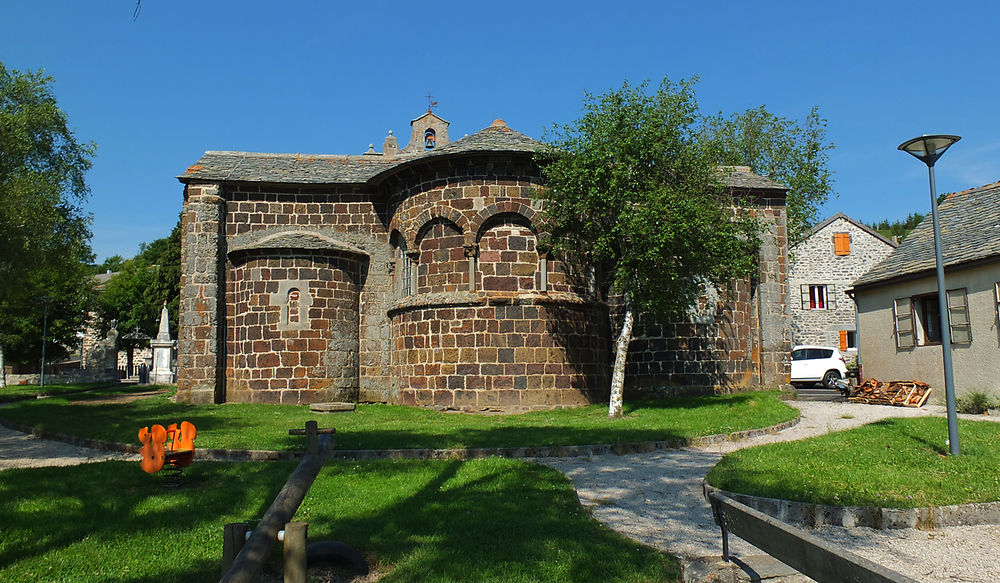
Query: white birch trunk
x,y
3,373
621,352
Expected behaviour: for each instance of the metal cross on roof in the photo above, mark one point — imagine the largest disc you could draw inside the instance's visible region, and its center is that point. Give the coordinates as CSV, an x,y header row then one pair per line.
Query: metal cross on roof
x,y
431,104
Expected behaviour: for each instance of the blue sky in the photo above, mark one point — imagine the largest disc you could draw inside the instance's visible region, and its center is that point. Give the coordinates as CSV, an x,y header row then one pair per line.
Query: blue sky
x,y
331,77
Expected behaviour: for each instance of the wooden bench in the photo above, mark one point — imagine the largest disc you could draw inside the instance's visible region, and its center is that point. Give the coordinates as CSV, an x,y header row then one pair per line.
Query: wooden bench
x,y
825,562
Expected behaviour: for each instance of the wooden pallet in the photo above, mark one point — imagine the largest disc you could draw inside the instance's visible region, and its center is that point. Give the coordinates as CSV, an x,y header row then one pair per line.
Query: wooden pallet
x,y
896,393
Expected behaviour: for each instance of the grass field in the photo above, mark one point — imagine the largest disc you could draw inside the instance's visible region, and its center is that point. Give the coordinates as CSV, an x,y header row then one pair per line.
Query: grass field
x,y
19,392
426,521
251,426
894,463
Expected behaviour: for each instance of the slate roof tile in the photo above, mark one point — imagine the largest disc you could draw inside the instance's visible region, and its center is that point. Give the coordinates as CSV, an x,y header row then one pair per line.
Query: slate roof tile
x,y
333,169
970,231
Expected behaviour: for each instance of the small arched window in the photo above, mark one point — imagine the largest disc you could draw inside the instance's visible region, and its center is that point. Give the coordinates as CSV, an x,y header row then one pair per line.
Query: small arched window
x,y
294,306
430,139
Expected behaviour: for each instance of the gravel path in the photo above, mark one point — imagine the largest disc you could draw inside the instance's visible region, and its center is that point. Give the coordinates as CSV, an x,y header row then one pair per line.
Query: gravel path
x,y
21,450
656,499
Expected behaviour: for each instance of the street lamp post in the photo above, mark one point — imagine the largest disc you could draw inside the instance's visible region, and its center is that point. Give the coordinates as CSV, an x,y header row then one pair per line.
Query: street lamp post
x,y
928,149
45,328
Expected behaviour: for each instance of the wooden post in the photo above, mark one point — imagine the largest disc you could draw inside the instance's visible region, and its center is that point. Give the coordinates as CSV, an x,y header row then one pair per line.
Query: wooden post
x,y
295,552
234,536
312,438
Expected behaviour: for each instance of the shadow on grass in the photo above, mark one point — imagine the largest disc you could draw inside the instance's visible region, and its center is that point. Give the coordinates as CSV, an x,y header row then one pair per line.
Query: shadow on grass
x,y
484,520
428,521
110,521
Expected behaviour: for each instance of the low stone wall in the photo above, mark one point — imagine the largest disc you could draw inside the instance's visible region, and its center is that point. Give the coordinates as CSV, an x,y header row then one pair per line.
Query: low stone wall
x,y
813,515
62,378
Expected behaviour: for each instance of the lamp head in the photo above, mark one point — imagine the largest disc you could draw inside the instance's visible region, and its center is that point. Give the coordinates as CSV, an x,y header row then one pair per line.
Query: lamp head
x,y
928,149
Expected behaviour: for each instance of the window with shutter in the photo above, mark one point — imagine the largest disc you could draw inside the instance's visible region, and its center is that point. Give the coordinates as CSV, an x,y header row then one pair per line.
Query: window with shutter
x,y
996,291
958,316
814,297
843,340
841,243
903,315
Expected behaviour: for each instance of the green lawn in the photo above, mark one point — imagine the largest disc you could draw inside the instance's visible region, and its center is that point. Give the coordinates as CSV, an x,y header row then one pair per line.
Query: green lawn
x,y
19,392
426,521
247,426
894,463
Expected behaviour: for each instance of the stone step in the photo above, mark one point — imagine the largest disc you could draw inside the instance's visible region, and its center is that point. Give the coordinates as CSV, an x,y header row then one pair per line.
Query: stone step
x,y
820,394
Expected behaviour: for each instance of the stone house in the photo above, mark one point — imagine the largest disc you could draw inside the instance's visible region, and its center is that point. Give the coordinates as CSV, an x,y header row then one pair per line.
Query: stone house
x,y
897,300
414,275
836,252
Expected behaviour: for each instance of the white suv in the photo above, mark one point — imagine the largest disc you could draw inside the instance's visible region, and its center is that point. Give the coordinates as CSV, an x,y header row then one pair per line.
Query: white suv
x,y
817,364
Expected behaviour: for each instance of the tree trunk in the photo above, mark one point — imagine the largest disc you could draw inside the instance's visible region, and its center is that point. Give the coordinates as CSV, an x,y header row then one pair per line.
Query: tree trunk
x,y
3,371
621,352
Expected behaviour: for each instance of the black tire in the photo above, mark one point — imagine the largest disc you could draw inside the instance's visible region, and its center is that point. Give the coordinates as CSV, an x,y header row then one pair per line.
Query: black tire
x,y
329,552
829,378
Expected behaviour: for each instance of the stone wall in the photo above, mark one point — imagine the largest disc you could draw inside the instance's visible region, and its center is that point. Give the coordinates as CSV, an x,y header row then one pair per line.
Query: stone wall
x,y
199,345
735,339
292,336
815,263
474,352
311,222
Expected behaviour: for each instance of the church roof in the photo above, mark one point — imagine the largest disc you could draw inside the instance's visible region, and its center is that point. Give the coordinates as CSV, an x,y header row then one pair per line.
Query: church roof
x,y
970,232
221,166
334,169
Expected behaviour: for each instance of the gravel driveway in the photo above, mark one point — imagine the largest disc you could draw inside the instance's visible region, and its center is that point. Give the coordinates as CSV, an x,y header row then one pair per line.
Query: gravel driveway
x,y
656,498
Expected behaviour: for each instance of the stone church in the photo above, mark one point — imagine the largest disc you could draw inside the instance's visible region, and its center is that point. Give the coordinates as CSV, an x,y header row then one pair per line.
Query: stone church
x,y
414,275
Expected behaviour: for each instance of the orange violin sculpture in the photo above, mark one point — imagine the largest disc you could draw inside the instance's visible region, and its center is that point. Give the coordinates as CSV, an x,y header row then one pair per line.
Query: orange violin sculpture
x,y
153,450
157,451
180,450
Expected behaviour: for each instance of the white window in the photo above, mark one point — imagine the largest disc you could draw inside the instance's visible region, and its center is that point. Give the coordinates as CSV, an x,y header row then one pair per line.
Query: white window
x,y
817,297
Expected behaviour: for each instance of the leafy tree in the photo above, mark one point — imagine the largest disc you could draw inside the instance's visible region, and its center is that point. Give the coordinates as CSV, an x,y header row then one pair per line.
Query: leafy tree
x,y
633,188
45,244
135,296
109,265
897,228
792,153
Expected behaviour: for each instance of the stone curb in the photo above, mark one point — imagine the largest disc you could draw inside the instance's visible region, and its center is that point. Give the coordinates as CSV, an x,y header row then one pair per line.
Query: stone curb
x,y
460,454
813,515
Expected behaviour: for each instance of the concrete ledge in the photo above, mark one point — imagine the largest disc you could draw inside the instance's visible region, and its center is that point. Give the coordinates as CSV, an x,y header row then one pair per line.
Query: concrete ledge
x,y
813,515
216,454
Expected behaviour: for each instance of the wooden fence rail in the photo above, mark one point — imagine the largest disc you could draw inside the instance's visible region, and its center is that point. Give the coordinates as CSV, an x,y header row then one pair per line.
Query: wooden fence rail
x,y
247,565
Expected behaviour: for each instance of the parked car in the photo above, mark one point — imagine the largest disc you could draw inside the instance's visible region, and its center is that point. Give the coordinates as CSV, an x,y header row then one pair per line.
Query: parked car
x,y
817,364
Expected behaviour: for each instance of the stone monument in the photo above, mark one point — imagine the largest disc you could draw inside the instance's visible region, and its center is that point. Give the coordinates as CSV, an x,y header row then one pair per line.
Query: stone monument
x,y
163,351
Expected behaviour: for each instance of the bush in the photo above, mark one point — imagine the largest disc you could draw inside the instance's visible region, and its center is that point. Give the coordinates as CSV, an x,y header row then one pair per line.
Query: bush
x,y
975,403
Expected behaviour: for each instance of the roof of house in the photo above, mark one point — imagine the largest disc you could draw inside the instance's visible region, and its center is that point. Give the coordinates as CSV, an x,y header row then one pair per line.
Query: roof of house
x,y
342,169
744,177
970,232
820,226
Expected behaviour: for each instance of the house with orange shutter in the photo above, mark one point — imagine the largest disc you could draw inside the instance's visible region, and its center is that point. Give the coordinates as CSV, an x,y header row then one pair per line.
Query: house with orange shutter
x,y
836,252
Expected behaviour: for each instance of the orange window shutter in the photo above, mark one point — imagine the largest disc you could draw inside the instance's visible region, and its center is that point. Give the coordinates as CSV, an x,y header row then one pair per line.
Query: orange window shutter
x,y
843,340
842,244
